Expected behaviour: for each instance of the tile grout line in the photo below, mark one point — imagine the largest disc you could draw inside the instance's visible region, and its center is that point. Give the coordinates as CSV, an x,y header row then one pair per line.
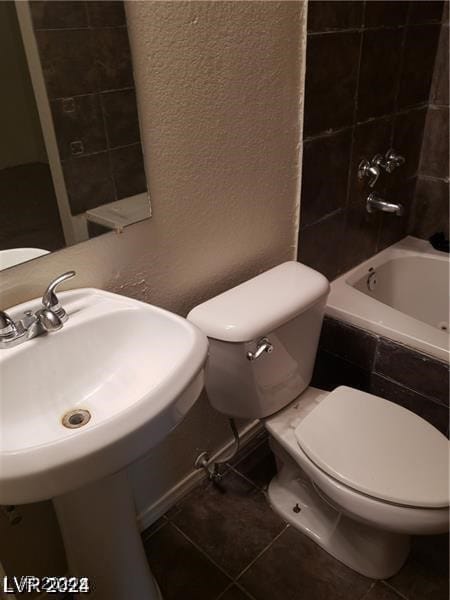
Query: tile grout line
x,y
202,551
261,553
385,116
391,587
367,592
245,478
240,587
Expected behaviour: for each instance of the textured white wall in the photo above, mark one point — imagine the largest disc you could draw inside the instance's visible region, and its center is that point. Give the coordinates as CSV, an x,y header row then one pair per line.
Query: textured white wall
x,y
220,96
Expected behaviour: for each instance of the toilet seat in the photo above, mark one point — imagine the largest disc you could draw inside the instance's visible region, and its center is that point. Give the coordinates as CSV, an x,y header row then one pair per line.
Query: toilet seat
x,y
377,448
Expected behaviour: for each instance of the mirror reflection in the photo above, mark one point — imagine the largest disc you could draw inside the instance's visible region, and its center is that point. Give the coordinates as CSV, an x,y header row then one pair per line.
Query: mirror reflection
x,y
71,163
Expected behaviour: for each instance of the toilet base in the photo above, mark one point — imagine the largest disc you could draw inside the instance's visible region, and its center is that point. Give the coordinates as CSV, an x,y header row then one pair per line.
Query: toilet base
x,y
372,552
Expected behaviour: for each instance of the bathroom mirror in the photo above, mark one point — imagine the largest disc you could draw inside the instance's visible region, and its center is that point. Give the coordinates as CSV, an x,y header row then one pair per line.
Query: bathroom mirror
x,y
71,163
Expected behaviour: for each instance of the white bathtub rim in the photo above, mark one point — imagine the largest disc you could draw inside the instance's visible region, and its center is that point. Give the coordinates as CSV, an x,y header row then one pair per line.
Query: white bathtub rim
x,y
352,306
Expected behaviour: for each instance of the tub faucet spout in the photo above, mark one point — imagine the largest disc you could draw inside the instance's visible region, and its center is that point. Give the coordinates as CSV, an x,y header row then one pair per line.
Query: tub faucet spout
x,y
375,202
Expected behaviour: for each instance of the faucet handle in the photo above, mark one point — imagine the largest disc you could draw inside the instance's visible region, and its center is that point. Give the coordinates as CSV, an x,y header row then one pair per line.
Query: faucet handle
x,y
369,169
7,326
392,160
50,299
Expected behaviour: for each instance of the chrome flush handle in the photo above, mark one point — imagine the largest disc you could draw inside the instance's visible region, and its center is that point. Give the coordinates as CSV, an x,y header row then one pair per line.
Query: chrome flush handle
x,y
50,299
263,345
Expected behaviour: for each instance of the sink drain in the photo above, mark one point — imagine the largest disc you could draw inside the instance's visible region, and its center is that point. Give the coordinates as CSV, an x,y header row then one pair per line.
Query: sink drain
x,y
76,418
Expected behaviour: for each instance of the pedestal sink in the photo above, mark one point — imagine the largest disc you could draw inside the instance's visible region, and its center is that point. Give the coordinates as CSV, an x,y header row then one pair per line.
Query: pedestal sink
x,y
77,407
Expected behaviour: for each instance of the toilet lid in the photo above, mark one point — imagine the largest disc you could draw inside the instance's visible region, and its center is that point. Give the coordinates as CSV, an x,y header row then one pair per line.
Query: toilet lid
x,y
378,448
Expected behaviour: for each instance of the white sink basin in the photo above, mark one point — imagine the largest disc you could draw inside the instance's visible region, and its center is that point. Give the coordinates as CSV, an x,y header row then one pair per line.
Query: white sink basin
x,y
135,368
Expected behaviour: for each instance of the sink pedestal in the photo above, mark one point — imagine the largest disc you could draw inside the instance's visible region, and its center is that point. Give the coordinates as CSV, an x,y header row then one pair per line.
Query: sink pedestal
x,y
102,540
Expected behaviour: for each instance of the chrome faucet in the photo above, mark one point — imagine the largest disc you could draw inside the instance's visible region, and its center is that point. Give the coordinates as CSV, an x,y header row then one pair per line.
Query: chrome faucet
x,y
375,202
47,319
372,169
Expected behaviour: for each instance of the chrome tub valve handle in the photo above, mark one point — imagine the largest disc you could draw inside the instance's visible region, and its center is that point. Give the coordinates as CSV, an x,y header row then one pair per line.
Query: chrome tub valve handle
x,y
263,345
370,170
50,299
393,160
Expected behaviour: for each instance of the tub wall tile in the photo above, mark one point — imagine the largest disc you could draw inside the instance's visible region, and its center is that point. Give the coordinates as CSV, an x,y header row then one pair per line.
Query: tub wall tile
x,y
329,16
373,70
330,57
431,210
416,371
431,411
331,155
350,343
321,244
435,155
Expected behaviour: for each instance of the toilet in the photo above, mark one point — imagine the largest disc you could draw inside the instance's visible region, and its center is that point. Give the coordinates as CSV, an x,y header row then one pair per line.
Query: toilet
x,y
356,473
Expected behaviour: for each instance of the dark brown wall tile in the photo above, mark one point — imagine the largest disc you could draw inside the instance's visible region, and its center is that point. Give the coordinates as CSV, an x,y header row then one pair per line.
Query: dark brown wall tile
x,y
58,14
385,13
418,62
325,16
331,74
106,13
440,85
407,140
361,235
321,195
88,182
320,244
128,170
68,62
350,343
425,11
431,211
434,413
83,122
379,72
435,153
113,59
121,117
420,372
394,227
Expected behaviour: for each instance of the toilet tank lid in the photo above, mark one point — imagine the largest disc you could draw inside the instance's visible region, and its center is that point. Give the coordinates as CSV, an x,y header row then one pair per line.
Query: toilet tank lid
x,y
260,305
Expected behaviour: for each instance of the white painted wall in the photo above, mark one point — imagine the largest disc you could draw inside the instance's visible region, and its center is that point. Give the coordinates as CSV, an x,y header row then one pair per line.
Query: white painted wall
x,y
220,96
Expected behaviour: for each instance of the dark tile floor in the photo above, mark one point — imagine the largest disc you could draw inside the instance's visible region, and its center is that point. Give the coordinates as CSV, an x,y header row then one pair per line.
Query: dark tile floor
x,y
228,544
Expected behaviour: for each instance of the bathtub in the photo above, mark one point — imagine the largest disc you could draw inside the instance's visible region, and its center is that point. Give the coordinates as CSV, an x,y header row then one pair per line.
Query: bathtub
x,y
402,293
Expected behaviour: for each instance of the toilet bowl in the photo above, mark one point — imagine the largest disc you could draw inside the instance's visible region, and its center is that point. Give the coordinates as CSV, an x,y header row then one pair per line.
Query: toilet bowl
x,y
367,533
356,473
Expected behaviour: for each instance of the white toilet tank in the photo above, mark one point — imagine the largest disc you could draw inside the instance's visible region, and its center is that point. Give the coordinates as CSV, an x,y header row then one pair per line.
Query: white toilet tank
x,y
285,305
